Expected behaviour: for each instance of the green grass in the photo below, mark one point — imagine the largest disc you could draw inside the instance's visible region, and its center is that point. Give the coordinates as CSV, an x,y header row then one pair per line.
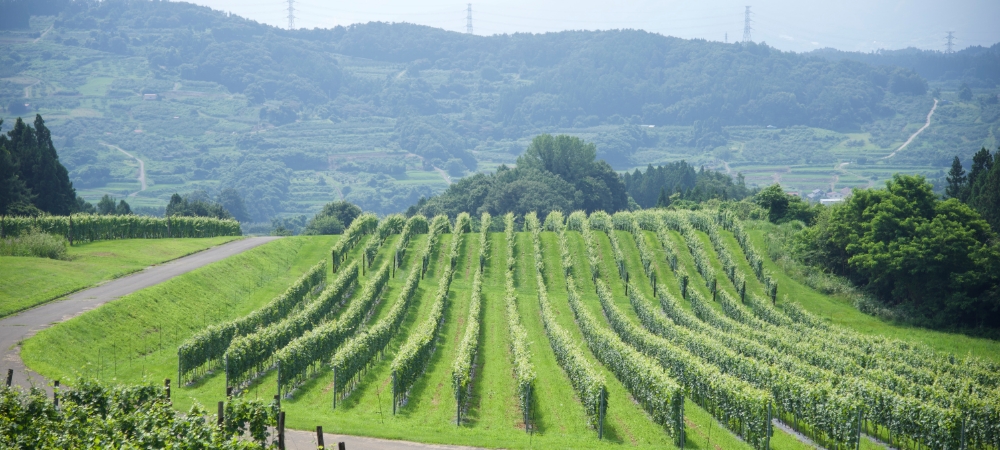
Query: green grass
x,y
26,282
136,337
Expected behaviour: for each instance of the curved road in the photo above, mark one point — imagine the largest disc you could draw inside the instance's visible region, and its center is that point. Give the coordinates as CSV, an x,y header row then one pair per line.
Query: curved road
x,y
14,329
914,135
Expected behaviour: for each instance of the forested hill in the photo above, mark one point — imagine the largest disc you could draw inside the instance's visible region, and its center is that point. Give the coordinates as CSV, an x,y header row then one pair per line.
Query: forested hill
x,y
977,66
552,78
384,114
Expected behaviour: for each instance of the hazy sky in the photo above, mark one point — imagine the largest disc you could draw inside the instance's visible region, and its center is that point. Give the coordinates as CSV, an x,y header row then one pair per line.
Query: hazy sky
x,y
796,25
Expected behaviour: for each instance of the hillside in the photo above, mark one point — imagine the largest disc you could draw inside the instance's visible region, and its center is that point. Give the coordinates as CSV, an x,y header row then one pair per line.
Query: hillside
x,y
665,321
384,114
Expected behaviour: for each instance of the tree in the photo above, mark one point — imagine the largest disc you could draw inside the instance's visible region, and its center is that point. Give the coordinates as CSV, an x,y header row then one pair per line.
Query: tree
x,y
935,259
106,206
774,200
984,193
964,92
663,200
956,180
195,204
123,209
232,201
12,189
39,168
333,218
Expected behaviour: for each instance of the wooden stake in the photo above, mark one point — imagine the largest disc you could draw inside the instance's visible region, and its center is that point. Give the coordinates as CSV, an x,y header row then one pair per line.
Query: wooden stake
x,y
319,438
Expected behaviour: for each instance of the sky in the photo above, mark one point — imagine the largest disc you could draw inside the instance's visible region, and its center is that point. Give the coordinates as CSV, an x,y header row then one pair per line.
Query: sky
x,y
791,25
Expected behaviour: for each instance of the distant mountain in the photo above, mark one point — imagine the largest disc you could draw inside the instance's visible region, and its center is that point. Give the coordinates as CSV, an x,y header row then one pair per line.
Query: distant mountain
x,y
978,66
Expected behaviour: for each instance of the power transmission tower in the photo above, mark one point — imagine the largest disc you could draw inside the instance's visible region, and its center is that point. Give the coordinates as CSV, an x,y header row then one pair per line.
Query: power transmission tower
x,y
951,38
746,27
291,14
468,19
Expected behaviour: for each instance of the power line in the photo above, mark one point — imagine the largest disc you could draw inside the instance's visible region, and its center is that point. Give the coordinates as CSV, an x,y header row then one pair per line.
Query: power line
x,y
291,14
951,38
746,26
468,20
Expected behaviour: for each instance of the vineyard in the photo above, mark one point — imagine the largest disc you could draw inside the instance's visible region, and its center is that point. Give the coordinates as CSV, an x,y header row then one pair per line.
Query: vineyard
x,y
647,328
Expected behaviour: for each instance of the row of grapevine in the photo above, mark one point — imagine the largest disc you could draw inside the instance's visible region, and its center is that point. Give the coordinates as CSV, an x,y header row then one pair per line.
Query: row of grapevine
x,y
317,345
659,395
391,224
250,355
92,227
524,370
463,370
210,344
587,382
675,221
753,257
743,408
413,356
577,221
704,223
891,418
864,353
358,353
362,225
917,356
417,224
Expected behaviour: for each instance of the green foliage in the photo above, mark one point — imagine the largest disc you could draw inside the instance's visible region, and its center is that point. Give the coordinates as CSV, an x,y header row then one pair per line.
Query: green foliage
x,y
782,207
31,171
197,205
90,228
210,344
657,185
555,174
137,416
33,243
935,259
332,214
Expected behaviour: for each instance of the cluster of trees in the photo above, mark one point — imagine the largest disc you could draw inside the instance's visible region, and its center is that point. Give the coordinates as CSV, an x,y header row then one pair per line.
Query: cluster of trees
x,y
938,260
977,64
334,218
782,207
662,185
554,173
980,188
228,205
107,207
32,180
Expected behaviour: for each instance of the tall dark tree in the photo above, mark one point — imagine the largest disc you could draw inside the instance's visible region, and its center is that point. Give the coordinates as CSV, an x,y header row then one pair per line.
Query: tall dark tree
x,y
663,200
40,169
956,180
984,193
12,189
230,199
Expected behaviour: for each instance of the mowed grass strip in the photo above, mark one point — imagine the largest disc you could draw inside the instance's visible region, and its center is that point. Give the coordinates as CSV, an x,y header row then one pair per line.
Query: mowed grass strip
x,y
135,338
26,282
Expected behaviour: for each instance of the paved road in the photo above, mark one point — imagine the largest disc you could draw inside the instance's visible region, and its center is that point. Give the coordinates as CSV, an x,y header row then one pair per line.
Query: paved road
x,y
306,440
18,327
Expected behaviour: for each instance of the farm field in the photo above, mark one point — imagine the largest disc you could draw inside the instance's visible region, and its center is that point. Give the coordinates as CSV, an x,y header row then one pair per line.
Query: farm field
x,y
644,306
26,282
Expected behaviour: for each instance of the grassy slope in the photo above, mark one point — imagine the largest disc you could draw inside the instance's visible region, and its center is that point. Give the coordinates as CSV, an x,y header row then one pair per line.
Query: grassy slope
x,y
840,311
27,282
122,340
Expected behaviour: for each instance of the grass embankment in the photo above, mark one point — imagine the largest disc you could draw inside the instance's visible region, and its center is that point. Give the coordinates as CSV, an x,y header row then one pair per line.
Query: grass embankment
x,y
136,337
26,282
839,310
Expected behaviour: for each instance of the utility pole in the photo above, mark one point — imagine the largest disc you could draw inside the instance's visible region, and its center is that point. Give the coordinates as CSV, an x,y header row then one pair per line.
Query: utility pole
x,y
746,26
291,14
951,38
468,19
727,38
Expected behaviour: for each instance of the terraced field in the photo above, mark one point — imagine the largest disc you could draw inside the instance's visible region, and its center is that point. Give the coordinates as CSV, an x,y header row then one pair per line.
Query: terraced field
x,y
646,329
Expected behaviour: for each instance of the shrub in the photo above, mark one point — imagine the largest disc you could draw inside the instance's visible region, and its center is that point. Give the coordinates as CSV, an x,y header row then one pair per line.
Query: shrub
x,y
34,243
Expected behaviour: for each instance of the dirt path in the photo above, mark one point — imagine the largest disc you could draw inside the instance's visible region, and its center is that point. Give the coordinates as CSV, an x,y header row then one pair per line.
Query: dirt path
x,y
914,135
142,169
16,328
443,175
47,30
